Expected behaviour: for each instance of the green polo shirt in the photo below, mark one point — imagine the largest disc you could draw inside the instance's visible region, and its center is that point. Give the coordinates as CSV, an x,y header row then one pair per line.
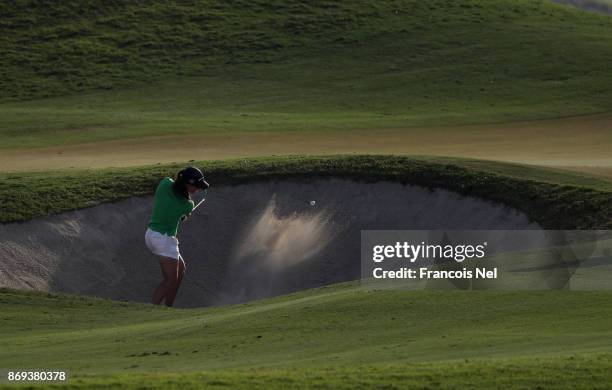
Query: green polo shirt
x,y
168,208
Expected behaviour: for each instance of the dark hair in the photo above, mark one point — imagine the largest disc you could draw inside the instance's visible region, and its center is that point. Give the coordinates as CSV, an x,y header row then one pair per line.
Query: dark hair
x,y
180,187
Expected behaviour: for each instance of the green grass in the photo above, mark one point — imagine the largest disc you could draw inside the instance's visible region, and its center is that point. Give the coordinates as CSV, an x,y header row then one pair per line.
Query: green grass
x,y
105,72
336,336
553,198
571,372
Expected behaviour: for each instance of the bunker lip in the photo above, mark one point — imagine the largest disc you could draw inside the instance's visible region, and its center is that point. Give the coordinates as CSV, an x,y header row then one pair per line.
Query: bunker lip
x,y
556,199
250,241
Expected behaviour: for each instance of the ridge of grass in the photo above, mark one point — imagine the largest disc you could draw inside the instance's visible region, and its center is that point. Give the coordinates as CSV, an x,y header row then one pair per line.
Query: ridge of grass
x,y
554,199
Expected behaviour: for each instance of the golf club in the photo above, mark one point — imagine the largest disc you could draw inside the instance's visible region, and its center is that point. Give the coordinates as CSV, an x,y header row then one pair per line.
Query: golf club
x,y
184,217
200,202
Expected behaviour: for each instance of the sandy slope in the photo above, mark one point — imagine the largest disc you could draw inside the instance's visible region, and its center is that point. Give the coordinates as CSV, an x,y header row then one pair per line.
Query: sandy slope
x,y
249,241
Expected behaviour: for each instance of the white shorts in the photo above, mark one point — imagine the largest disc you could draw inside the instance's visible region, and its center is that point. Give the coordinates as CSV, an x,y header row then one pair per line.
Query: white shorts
x,y
162,244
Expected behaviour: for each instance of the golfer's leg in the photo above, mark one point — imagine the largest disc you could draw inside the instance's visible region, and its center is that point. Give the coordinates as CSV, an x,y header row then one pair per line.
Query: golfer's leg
x,y
171,293
182,268
169,272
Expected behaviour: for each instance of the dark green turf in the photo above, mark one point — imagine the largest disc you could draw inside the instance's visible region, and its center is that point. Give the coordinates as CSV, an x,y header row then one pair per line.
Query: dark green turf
x,y
126,70
569,372
57,47
333,337
554,198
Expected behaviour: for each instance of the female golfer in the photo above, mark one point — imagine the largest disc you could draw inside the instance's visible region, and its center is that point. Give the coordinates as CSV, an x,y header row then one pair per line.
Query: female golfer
x,y
172,204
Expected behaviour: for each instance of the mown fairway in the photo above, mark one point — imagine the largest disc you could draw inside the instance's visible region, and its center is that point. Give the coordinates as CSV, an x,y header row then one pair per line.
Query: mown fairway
x,y
580,143
99,85
334,336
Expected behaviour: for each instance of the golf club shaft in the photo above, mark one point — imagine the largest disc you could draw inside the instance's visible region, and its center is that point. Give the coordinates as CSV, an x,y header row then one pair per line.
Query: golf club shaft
x,y
199,203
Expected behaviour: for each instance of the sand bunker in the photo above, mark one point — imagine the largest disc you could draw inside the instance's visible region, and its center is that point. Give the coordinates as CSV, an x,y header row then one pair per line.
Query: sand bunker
x,y
248,241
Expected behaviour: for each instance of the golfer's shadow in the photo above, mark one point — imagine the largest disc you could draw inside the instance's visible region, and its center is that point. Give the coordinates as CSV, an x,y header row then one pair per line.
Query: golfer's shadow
x,y
250,278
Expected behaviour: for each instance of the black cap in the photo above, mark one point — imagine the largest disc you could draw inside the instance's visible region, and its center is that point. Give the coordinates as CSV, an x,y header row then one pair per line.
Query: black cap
x,y
193,176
